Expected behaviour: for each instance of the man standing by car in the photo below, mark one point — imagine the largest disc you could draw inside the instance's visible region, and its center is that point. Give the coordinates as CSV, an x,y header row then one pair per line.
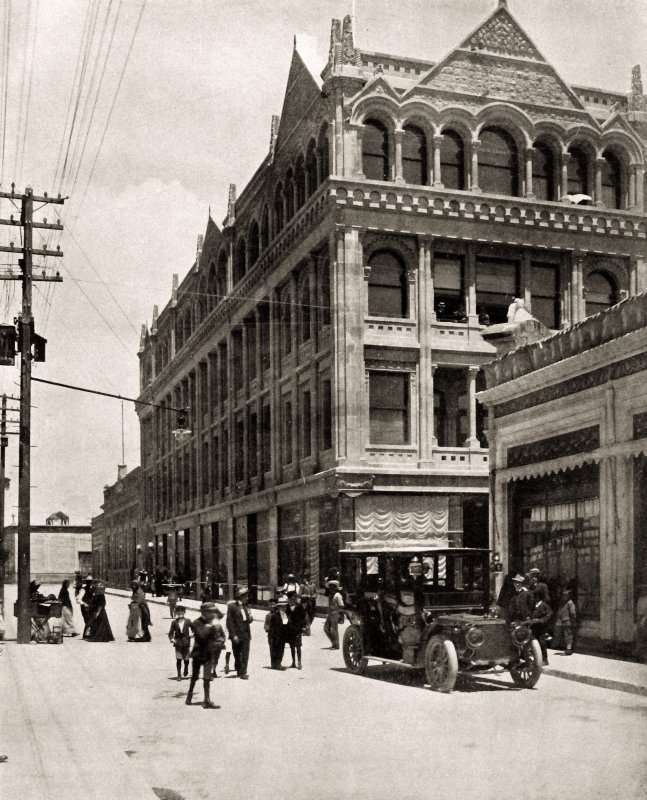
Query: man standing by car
x,y
520,605
239,619
335,613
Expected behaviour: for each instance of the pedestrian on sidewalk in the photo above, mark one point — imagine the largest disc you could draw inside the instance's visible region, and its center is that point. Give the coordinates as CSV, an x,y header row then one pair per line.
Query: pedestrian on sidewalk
x,y
98,628
239,620
209,639
538,586
180,637
308,597
139,620
78,583
520,605
276,623
297,621
171,598
541,616
566,621
86,599
66,610
336,613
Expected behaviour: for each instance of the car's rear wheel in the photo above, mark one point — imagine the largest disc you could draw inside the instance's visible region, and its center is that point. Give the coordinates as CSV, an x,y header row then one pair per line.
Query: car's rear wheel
x,y
441,664
353,650
527,671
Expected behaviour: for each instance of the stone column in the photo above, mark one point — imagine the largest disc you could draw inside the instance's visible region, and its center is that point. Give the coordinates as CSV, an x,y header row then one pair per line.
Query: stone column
x,y
359,135
631,199
275,408
472,314
529,187
638,273
640,189
437,174
599,163
348,333
273,531
577,299
566,157
526,278
476,146
227,541
398,135
472,441
425,393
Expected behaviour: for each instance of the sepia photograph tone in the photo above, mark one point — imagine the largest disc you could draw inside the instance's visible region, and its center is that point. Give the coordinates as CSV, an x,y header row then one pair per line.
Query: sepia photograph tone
x,y
323,352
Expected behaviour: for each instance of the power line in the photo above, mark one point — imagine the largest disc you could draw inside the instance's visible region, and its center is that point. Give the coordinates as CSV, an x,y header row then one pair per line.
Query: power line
x,y
7,42
30,72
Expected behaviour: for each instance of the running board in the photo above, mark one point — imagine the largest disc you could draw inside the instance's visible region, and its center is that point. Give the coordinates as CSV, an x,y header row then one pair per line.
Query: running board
x,y
392,661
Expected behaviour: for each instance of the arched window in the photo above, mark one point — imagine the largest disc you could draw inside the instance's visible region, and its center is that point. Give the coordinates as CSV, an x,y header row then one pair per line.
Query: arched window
x,y
179,332
578,172
304,307
279,219
188,325
253,247
498,163
611,181
600,291
265,229
543,172
203,302
375,151
289,196
324,155
387,287
286,322
311,168
324,290
240,262
300,183
414,156
221,277
452,161
212,286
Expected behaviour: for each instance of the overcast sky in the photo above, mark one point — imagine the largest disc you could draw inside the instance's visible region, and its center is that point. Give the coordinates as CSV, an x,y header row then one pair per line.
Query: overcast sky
x,y
192,114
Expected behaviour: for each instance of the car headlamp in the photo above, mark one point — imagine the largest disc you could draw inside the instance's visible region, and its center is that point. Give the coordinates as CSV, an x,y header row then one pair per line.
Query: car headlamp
x,y
521,634
474,637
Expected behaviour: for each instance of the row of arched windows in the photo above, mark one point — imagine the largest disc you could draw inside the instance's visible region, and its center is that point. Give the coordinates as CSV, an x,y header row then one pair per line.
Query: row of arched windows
x,y
501,167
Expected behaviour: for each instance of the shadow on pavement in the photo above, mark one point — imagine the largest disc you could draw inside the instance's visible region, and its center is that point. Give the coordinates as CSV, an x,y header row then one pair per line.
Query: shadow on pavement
x,y
390,673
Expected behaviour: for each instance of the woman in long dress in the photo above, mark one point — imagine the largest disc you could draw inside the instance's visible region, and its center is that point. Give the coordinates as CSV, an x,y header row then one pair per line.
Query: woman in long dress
x,y
98,628
66,603
139,599
134,630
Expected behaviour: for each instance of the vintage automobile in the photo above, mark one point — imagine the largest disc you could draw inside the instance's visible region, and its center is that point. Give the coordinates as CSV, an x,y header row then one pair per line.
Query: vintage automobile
x,y
429,608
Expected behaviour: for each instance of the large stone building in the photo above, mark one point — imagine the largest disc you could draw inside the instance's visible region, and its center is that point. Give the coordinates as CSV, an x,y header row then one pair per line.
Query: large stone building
x,y
120,547
568,438
328,338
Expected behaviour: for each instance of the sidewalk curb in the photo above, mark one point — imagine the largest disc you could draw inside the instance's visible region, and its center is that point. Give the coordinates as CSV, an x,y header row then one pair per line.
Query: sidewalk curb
x,y
602,683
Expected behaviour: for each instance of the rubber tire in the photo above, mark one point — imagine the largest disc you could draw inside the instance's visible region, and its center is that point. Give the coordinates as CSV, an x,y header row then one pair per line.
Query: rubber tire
x,y
526,679
441,664
353,650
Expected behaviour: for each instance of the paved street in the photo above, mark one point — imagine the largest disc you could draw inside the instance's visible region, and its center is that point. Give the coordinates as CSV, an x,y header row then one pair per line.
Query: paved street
x,y
106,721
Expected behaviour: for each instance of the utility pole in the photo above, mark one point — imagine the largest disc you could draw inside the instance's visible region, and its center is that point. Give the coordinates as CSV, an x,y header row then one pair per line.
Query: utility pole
x,y
4,441
25,337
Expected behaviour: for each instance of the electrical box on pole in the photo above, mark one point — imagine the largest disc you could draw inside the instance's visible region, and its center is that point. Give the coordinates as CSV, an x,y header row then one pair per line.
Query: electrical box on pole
x,y
8,338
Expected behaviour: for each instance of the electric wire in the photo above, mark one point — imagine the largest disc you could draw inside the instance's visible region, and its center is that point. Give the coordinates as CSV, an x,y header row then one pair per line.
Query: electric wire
x,y
5,82
23,81
84,65
30,73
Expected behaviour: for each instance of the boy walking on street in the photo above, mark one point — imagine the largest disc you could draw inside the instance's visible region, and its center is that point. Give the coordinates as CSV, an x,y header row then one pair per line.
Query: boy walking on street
x,y
180,637
209,639
335,613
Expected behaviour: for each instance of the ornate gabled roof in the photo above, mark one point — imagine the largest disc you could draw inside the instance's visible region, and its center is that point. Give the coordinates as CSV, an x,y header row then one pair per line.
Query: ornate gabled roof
x,y
301,91
499,61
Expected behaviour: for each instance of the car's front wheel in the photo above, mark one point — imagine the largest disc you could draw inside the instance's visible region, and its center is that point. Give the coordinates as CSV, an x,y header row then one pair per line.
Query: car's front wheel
x,y
441,663
527,671
353,650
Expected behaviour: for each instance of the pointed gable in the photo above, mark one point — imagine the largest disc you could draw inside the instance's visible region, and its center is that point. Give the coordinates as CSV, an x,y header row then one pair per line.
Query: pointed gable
x,y
212,239
301,92
500,34
498,61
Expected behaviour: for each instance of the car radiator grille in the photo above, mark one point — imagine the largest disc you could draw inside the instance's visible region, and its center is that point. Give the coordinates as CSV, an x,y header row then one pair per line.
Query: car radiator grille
x,y
496,644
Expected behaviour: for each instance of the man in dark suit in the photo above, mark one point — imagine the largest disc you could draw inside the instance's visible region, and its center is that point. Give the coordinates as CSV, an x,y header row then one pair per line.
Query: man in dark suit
x,y
239,619
520,605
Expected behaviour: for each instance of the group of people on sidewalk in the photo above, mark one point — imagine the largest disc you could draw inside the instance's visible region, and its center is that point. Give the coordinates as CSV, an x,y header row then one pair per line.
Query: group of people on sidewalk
x,y
526,597
209,641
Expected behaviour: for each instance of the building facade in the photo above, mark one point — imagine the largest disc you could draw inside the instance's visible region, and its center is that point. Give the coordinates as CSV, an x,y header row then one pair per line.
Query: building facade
x,y
120,548
568,447
57,550
327,339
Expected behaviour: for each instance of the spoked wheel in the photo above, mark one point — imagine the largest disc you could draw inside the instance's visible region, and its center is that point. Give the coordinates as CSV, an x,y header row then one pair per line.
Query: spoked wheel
x,y
527,671
353,650
441,664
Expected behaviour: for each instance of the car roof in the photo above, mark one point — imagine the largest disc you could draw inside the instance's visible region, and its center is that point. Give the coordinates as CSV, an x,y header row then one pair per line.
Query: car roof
x,y
406,547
